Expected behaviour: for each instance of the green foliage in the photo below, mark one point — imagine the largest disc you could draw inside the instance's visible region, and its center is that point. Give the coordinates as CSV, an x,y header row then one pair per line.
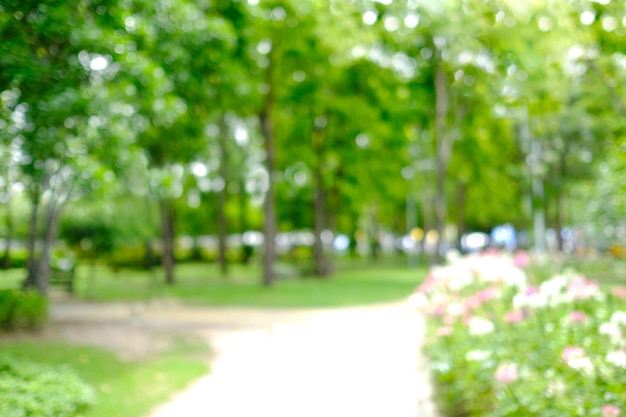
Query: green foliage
x,y
133,257
22,309
129,389
91,237
122,98
18,258
7,299
30,389
200,254
602,204
500,345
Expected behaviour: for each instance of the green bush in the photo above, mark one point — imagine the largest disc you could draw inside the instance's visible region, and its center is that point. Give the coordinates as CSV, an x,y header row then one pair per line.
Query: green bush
x,y
22,309
133,257
7,299
28,389
30,310
17,259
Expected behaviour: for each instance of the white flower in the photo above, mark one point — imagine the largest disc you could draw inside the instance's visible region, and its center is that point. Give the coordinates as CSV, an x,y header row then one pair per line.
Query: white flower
x,y
520,300
617,358
455,309
515,278
460,280
534,300
619,317
453,276
553,286
537,300
479,326
477,355
612,330
583,363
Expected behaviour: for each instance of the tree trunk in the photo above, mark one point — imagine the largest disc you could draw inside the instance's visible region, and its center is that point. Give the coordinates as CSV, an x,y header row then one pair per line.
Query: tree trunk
x,y
5,263
375,236
149,262
560,218
319,207
149,258
560,200
50,232
539,214
39,270
461,197
269,206
31,263
221,198
331,217
443,153
246,249
167,232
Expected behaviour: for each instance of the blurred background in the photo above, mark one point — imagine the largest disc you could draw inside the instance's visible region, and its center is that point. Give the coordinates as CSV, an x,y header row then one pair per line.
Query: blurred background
x,y
298,136
161,159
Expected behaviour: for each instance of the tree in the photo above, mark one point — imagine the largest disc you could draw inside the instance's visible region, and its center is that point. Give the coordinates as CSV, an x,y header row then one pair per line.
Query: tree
x,y
47,60
179,49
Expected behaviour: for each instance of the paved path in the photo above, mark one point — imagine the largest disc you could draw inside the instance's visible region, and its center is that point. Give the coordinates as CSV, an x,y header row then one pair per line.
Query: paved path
x,y
350,362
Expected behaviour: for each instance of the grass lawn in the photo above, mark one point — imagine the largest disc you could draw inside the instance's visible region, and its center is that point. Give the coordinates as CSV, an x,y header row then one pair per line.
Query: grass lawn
x,y
122,388
354,283
203,284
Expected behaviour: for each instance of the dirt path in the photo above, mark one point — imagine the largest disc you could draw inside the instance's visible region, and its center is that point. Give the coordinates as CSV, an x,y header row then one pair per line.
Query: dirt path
x,y
361,361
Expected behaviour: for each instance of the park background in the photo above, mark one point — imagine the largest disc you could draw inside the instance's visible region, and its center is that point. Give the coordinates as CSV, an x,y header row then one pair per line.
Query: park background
x,y
330,150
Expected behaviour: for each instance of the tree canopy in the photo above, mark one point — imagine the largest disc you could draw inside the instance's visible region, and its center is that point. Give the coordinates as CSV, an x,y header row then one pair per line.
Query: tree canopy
x,y
333,117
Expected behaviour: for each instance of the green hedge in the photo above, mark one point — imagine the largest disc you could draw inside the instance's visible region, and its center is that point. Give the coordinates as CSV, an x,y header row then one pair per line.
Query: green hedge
x,y
18,258
28,389
22,310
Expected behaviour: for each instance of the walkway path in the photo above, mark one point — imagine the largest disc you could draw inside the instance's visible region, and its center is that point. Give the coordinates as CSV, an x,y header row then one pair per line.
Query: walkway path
x,y
350,362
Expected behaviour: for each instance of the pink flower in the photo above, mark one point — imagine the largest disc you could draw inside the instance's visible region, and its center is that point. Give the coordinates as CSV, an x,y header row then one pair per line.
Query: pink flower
x,y
531,291
581,288
506,373
521,259
577,317
438,311
619,292
488,294
610,410
444,331
573,352
514,316
427,285
472,302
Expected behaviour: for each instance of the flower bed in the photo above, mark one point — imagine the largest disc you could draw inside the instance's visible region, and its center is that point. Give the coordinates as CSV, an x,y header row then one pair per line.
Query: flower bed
x,y
500,345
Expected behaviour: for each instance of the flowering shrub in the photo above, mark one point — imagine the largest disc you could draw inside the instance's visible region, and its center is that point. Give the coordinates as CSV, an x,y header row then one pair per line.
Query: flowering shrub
x,y
500,345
